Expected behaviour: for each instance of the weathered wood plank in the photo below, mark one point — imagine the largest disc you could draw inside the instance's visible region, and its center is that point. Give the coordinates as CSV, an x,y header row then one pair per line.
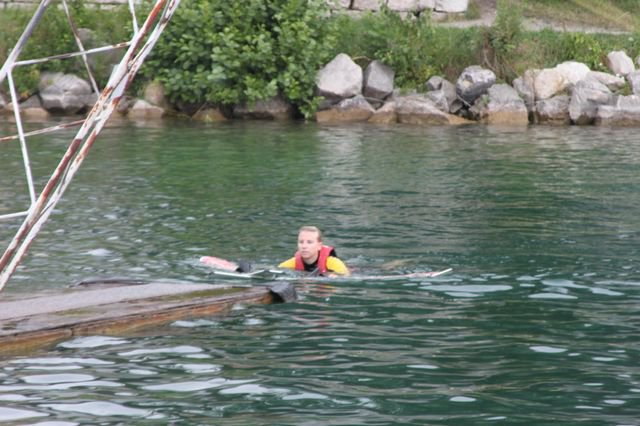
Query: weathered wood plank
x,y
32,322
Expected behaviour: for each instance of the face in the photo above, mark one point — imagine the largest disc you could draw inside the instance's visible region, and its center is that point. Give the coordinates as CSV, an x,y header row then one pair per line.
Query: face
x,y
309,246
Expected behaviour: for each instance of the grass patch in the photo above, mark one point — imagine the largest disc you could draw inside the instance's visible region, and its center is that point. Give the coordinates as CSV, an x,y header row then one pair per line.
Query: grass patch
x,y
609,14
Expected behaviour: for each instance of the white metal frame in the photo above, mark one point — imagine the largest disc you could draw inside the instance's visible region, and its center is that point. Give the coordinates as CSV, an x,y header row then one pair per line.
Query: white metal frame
x,y
42,204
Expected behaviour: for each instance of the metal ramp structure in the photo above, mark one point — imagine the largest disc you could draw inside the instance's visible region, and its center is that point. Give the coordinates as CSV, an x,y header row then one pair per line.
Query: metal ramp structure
x,y
42,204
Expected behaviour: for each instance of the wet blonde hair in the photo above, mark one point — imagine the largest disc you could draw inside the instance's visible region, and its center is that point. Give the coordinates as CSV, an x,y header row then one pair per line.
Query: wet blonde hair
x,y
311,229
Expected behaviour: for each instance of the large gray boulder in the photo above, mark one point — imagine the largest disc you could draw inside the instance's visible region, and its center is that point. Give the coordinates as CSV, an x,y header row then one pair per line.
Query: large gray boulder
x,y
634,82
347,111
66,93
613,82
587,96
274,108
385,115
154,93
439,99
30,109
340,79
501,105
620,63
624,112
451,6
143,110
209,114
410,5
419,109
340,4
525,87
378,80
473,83
549,82
573,71
438,87
434,83
371,5
553,110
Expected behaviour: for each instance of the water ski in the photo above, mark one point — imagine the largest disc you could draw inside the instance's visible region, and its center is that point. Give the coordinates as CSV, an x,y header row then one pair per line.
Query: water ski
x,y
228,269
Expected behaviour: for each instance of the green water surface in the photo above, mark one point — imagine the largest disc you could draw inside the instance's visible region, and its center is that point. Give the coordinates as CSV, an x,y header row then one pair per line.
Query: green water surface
x,y
538,323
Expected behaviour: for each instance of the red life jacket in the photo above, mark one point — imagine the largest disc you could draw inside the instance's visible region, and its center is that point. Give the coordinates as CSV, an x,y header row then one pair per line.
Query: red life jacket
x,y
323,255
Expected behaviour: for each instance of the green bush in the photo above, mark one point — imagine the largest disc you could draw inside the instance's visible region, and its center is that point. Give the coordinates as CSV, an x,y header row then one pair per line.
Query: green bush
x,y
235,52
503,39
414,47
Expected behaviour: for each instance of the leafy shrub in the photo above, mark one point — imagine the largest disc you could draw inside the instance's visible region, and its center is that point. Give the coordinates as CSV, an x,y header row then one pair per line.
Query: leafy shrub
x,y
414,47
234,52
502,40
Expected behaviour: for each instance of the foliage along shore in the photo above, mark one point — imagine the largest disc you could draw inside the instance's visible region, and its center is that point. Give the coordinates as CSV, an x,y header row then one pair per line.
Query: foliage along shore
x,y
220,60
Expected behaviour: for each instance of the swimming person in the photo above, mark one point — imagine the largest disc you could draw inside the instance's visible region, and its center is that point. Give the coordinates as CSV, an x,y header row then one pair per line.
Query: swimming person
x,y
313,256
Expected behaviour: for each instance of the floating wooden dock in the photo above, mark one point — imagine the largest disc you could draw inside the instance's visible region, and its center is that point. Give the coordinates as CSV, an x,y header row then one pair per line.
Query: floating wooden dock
x,y
32,321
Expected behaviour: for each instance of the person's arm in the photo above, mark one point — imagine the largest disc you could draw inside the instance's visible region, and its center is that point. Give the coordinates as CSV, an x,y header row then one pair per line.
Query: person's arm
x,y
337,266
288,264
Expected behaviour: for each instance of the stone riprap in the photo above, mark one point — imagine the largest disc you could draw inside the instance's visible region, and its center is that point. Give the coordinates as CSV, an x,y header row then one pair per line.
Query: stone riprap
x,y
569,93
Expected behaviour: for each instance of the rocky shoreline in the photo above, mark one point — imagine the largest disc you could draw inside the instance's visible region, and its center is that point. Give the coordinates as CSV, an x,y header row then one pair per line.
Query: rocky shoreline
x,y
568,94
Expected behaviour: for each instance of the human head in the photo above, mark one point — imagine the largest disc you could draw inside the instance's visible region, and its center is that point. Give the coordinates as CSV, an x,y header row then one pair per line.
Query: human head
x,y
309,243
311,229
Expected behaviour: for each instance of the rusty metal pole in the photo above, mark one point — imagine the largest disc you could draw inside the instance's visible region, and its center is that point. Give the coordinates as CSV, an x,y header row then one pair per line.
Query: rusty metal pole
x,y
77,151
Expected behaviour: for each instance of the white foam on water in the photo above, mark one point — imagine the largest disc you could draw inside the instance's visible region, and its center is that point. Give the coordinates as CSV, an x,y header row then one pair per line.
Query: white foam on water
x,y
15,397
201,368
547,349
618,282
191,386
462,399
605,292
551,296
92,342
423,366
184,349
462,294
57,378
60,360
466,289
60,386
194,324
141,372
12,414
100,408
527,278
253,321
54,367
253,389
198,356
562,283
100,252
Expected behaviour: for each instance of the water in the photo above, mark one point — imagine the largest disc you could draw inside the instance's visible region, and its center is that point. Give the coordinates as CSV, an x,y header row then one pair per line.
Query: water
x,y
537,324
